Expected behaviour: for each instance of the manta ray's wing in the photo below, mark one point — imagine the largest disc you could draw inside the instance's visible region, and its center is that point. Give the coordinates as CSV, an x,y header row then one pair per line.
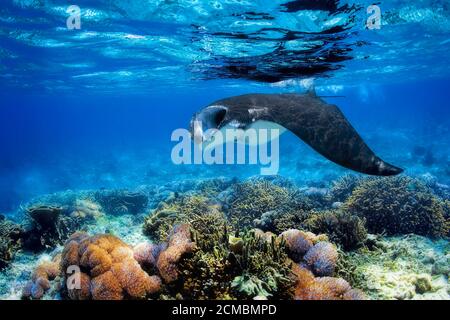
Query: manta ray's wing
x,y
326,130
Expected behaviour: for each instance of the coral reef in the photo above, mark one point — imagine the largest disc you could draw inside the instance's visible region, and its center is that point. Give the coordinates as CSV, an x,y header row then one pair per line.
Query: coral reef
x,y
342,188
251,199
398,205
41,278
11,238
47,227
278,221
121,201
309,287
146,254
297,243
403,268
204,245
208,272
105,268
180,244
86,210
263,267
322,258
213,187
178,210
342,228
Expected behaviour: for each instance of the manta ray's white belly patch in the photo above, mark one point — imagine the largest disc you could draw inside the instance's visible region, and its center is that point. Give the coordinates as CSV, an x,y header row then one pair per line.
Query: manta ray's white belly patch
x,y
250,136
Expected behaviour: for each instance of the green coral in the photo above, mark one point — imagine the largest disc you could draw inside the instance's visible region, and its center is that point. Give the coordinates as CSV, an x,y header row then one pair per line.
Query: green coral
x,y
10,241
181,209
266,260
228,267
251,286
398,205
342,188
342,228
347,269
253,198
212,187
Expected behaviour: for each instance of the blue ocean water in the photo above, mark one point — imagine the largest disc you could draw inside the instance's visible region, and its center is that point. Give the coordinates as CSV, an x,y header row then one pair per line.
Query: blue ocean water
x,y
94,107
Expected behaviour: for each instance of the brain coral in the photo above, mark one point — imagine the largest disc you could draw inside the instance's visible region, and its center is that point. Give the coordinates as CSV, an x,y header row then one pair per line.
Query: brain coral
x,y
398,205
108,270
179,244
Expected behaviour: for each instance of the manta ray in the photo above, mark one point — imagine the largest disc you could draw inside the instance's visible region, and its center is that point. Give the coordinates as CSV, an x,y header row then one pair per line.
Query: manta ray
x,y
320,125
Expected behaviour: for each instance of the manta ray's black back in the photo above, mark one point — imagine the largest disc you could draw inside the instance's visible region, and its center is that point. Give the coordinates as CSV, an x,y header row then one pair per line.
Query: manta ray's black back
x,y
322,126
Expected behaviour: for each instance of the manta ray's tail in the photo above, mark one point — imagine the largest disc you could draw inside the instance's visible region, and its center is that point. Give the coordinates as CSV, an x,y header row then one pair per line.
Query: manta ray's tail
x,y
382,168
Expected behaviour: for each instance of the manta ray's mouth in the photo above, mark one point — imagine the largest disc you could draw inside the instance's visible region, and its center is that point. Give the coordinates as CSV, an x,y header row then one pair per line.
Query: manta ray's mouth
x,y
206,122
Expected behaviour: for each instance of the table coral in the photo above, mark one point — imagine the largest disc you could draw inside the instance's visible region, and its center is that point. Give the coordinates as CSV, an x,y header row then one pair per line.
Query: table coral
x,y
47,226
107,267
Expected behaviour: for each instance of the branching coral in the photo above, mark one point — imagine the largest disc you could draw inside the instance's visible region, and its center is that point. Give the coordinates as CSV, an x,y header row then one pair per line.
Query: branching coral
x,y
341,227
263,258
252,198
212,187
10,241
179,210
106,268
208,272
121,201
398,205
342,188
41,277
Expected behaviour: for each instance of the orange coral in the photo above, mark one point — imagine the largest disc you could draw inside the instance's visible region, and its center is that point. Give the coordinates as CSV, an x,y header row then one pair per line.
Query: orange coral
x,y
309,287
108,269
179,244
41,277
